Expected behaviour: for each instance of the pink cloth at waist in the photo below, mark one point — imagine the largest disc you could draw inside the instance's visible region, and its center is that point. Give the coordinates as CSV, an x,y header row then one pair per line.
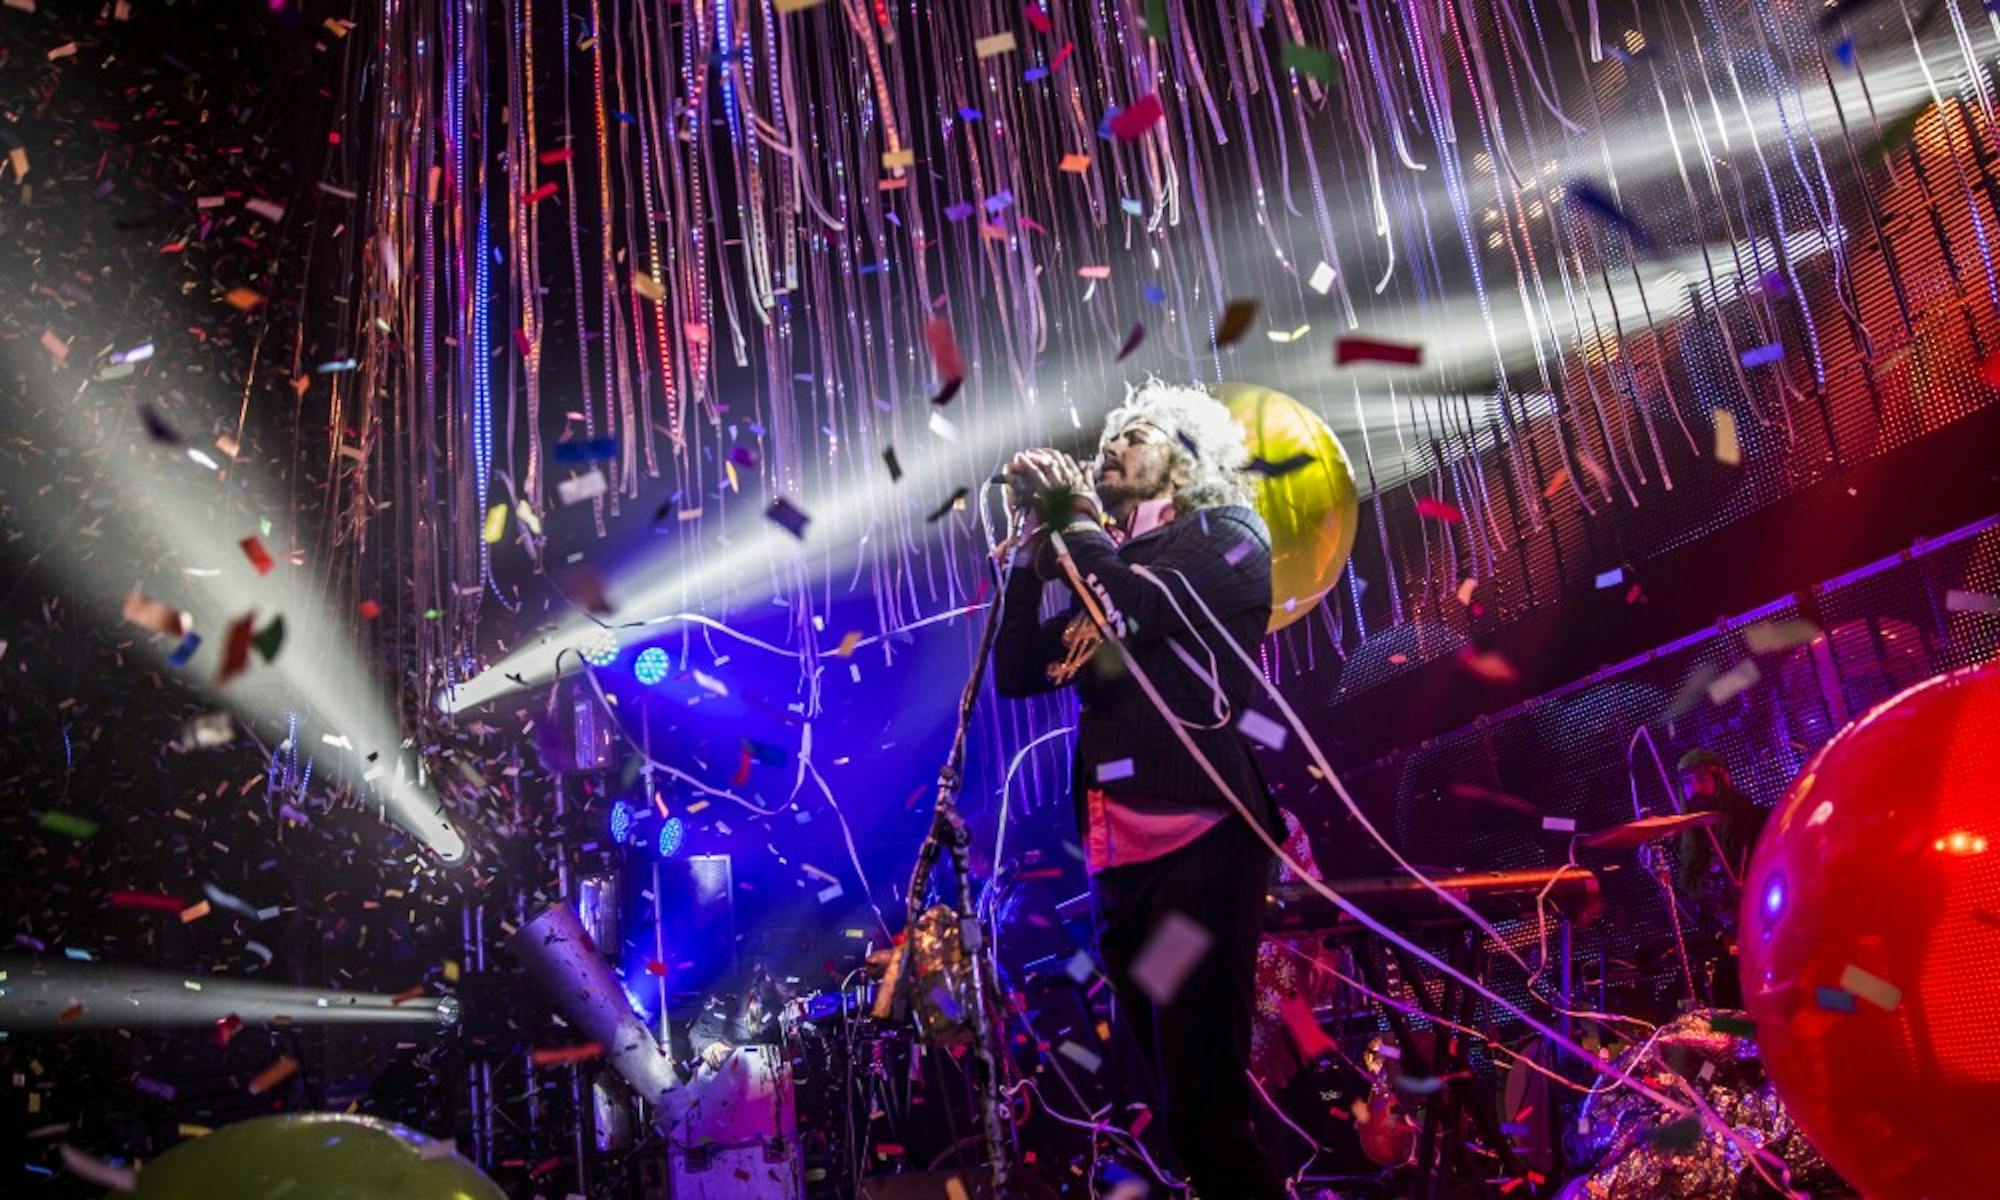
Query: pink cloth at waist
x,y
1117,834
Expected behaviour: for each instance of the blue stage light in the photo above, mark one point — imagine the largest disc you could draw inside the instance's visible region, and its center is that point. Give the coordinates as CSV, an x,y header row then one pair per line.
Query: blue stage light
x,y
601,650
621,821
651,667
672,833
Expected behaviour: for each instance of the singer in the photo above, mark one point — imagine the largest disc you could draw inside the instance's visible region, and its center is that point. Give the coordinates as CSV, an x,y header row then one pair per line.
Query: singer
x,y
1161,531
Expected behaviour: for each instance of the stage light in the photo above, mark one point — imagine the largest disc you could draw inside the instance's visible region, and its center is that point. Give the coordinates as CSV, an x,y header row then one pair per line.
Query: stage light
x,y
651,667
602,649
672,834
1960,843
43,994
621,822
315,668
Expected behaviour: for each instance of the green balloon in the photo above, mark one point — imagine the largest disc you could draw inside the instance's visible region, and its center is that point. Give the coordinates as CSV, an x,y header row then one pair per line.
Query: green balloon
x,y
313,1156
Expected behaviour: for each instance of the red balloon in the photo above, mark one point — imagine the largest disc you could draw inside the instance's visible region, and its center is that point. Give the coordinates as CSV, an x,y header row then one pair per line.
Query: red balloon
x,y
1871,942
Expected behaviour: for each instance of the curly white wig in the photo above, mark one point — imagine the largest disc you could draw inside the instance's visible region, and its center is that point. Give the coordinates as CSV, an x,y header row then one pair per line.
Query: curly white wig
x,y
1209,461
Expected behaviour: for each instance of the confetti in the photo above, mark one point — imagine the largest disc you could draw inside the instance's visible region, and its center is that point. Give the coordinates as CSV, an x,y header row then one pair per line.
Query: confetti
x,y
889,460
1310,60
579,488
944,349
1734,682
1131,123
96,1171
1349,350
1074,164
1236,321
1439,510
1959,600
236,648
206,732
1307,1036
1488,665
560,1056
80,828
260,558
1132,341
185,651
1278,470
1112,772
944,510
269,639
273,1075
1767,637
1591,200
496,524
1871,987
1262,729
1176,946
993,45
787,514
148,613
151,901
1762,355
1089,1060
1727,450
586,451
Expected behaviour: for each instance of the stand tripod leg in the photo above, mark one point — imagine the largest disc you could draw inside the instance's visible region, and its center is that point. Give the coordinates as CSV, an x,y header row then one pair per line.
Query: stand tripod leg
x,y
948,833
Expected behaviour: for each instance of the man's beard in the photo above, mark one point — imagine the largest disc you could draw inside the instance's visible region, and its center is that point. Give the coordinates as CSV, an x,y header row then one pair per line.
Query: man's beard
x,y
1115,494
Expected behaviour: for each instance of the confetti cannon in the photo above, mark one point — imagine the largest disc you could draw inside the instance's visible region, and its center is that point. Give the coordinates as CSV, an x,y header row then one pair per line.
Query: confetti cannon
x,y
563,960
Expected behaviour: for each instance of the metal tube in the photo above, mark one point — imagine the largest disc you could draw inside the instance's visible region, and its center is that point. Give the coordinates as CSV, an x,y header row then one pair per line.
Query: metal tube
x,y
560,956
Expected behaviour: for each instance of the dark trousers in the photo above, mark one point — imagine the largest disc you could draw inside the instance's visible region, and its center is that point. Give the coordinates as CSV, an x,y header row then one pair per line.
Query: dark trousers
x,y
1196,1046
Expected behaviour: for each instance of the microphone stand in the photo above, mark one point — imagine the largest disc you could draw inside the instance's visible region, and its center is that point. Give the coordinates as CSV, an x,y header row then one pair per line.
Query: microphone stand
x,y
949,833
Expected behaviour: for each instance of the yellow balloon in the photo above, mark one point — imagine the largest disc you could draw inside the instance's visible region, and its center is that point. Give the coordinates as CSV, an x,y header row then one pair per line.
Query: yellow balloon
x,y
1313,509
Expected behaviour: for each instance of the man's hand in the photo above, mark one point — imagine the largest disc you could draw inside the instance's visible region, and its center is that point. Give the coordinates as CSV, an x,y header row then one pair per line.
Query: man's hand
x,y
716,1053
1056,486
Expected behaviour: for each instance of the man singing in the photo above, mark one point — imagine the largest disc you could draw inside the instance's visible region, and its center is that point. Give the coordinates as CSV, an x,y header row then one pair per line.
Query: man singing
x,y
1185,563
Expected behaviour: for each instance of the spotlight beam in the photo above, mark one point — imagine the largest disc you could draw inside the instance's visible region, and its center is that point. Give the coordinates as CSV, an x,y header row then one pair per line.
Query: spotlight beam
x,y
41,995
1464,336
318,671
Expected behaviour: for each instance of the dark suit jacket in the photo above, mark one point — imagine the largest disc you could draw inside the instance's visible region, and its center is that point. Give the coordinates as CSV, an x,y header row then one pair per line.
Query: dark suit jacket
x,y
1222,555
